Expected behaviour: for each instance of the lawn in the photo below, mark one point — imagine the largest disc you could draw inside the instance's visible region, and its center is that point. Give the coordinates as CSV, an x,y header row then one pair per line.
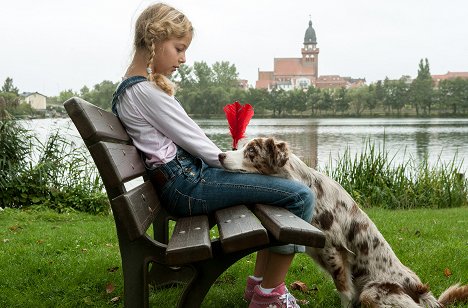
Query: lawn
x,y
72,260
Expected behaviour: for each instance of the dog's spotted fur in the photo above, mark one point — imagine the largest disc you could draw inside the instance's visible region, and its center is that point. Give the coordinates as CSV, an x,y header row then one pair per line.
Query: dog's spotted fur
x,y
362,264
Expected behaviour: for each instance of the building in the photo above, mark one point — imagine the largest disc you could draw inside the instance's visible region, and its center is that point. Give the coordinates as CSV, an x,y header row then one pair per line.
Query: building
x,y
291,73
294,73
449,75
36,100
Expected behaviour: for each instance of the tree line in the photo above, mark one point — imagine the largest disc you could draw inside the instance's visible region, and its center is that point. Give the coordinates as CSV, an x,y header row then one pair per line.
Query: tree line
x,y
204,90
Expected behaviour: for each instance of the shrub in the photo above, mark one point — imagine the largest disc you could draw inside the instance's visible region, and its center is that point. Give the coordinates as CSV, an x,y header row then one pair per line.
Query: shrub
x,y
62,178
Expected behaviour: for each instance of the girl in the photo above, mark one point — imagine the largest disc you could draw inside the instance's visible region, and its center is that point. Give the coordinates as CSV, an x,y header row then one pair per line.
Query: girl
x,y
183,162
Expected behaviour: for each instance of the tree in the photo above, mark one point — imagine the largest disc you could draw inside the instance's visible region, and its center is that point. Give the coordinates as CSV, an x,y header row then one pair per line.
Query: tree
x,y
341,100
66,94
259,99
326,100
10,99
225,74
379,93
203,74
453,94
183,77
421,90
8,86
297,100
371,102
360,98
313,99
401,93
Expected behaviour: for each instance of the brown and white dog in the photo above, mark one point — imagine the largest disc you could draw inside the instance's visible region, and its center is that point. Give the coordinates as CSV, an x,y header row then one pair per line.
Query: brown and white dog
x,y
362,264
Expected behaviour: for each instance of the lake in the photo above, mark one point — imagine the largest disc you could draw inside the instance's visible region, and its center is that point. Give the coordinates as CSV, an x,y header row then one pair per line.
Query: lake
x,y
320,141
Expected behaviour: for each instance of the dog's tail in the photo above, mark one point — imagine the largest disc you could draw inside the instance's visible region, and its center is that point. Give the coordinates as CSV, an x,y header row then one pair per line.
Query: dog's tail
x,y
455,293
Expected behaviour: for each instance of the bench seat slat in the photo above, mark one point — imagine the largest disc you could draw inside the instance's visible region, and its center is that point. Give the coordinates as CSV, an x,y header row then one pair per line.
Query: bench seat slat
x,y
287,227
190,241
239,229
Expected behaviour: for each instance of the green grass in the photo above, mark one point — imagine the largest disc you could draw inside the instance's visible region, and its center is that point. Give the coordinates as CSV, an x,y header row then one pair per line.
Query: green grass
x,y
69,260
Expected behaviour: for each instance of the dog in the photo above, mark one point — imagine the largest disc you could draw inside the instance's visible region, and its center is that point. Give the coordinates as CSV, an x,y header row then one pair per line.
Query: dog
x,y
363,266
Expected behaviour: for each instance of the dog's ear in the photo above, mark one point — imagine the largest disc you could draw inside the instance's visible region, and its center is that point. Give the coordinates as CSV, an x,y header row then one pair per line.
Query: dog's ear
x,y
282,153
278,151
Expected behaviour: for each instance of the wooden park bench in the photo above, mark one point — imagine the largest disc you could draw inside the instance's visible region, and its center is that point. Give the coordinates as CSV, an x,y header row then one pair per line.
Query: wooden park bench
x,y
185,255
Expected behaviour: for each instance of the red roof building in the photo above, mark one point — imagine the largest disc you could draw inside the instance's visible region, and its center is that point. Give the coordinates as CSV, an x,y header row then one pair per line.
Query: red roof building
x,y
294,73
449,75
291,73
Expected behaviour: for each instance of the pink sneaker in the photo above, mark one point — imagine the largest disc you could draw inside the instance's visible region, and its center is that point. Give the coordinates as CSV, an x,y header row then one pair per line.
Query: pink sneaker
x,y
249,289
278,298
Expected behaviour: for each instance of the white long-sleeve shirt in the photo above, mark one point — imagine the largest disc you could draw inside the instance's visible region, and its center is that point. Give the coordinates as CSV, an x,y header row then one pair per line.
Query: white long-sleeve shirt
x,y
156,122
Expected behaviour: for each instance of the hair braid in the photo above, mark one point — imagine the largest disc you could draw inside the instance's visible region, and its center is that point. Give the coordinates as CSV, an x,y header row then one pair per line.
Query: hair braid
x,y
160,80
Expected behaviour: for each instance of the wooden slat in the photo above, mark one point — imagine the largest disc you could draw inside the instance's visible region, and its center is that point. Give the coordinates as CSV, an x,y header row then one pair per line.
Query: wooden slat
x,y
190,241
136,209
117,163
95,124
287,227
239,229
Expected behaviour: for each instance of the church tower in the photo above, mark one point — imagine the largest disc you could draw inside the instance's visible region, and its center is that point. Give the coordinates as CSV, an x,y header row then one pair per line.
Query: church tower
x,y
310,51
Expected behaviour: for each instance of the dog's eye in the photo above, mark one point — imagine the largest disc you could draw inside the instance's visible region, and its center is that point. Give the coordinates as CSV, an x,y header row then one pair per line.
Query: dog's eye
x,y
251,150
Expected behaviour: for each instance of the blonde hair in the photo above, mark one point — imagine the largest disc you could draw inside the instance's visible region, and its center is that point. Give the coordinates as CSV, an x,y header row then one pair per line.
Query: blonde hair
x,y
156,24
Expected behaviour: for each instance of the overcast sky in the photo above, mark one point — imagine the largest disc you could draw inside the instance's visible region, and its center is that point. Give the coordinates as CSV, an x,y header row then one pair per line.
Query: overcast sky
x,y
53,45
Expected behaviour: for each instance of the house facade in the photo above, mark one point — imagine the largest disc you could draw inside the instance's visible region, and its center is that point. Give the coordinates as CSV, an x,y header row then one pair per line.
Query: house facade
x,y
36,100
301,73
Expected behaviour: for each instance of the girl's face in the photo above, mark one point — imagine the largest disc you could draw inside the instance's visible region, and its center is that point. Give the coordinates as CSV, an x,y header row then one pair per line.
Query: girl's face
x,y
170,55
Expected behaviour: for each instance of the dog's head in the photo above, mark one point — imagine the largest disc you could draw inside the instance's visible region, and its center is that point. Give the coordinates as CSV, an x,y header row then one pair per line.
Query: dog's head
x,y
259,155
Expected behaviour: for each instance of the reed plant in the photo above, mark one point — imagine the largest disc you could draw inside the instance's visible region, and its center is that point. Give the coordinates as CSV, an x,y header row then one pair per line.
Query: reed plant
x,y
374,179
61,177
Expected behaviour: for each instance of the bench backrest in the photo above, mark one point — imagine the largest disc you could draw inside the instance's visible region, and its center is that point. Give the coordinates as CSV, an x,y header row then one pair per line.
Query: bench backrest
x,y
118,162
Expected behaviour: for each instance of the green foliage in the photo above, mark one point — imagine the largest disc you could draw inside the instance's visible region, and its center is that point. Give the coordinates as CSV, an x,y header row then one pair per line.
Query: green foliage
x,y
8,86
61,179
374,181
65,95
100,94
205,90
453,95
421,90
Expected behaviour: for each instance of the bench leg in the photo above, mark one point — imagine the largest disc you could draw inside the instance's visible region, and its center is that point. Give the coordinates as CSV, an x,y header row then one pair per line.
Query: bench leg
x,y
135,286
206,273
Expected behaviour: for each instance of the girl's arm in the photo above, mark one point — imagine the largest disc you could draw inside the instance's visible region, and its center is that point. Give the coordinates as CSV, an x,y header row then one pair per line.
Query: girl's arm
x,y
165,114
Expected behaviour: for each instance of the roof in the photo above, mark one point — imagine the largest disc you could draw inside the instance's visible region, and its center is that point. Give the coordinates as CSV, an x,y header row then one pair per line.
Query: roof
x,y
291,67
450,75
27,94
309,37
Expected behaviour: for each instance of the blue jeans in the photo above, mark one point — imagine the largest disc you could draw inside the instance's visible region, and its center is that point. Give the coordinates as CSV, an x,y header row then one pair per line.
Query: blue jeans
x,y
194,188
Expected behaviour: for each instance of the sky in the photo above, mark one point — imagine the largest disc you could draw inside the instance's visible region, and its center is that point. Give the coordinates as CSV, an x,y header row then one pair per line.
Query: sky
x,y
53,45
